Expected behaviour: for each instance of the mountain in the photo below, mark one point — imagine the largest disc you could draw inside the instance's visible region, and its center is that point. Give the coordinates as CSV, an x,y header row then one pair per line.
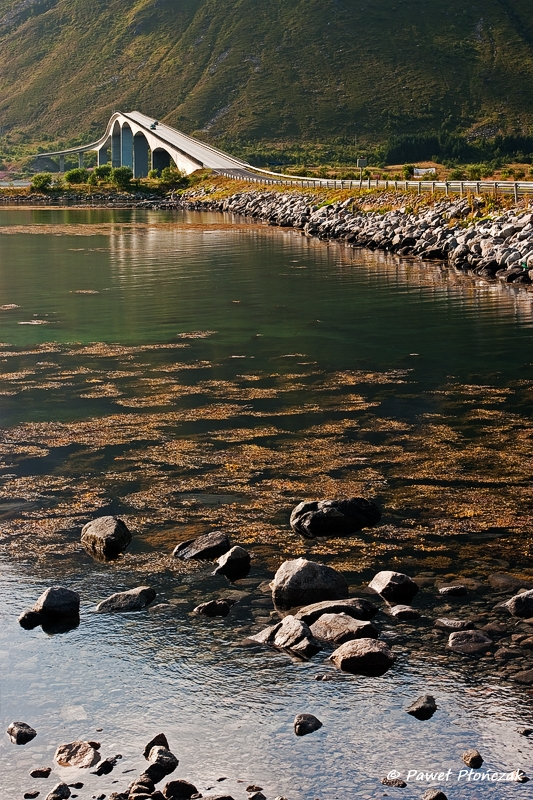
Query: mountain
x,y
250,70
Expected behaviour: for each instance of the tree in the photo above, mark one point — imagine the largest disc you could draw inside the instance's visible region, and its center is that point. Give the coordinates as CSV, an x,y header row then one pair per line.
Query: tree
x,y
172,177
42,181
121,177
103,171
78,175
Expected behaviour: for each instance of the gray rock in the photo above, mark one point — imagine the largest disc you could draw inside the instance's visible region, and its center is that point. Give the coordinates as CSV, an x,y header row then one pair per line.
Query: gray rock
x,y
524,677
396,782
58,602
290,634
339,628
354,607
59,792
446,624
434,794
206,547
423,708
132,600
256,796
306,723
163,758
394,587
21,733
363,657
153,773
469,642
521,605
215,608
77,754
405,612
234,564
525,731
105,537
472,758
503,582
301,582
334,517
159,740
179,790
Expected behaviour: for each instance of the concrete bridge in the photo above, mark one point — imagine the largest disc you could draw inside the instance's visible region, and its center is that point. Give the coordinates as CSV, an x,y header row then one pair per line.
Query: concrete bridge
x,y
142,143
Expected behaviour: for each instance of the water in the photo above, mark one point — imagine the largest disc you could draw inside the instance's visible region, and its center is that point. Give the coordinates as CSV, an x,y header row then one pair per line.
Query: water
x,y
192,372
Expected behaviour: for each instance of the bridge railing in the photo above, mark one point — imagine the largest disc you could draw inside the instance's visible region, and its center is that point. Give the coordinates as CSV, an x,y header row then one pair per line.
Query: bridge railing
x,y
463,188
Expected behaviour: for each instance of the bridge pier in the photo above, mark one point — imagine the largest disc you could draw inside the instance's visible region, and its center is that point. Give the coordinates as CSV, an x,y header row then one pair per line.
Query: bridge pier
x,y
127,147
80,160
116,154
61,163
103,155
140,156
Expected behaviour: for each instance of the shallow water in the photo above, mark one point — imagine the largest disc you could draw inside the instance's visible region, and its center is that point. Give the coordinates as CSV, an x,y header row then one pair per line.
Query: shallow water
x,y
192,372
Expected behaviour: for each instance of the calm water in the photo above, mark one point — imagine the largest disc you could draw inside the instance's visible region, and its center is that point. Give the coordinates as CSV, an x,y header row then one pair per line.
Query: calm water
x,y
193,372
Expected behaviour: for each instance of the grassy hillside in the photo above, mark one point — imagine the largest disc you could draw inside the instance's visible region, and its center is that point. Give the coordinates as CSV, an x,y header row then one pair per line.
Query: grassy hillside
x,y
248,70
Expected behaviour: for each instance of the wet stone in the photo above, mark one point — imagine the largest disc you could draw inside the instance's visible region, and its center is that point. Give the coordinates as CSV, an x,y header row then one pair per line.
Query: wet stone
x,y
455,590
301,582
472,758
306,723
447,624
204,548
395,782
41,772
21,733
160,740
105,537
215,608
163,758
131,600
339,628
179,790
234,564
434,794
363,657
60,792
468,642
77,754
32,795
423,708
334,517
355,607
394,587
405,612
521,605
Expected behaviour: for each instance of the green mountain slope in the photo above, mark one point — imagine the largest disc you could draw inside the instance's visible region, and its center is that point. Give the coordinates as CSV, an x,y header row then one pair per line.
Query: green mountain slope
x,y
268,69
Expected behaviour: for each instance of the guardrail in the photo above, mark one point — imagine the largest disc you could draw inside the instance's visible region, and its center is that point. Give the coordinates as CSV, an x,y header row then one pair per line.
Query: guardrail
x,y
462,188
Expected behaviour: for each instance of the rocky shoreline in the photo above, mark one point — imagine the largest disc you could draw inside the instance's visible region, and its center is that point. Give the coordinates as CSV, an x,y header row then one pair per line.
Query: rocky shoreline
x,y
495,245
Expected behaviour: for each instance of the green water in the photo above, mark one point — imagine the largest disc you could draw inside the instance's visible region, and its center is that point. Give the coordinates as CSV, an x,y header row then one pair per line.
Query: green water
x,y
192,372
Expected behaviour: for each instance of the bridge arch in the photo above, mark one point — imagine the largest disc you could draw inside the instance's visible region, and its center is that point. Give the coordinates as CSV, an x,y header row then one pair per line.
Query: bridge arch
x,y
141,151
116,145
126,146
161,158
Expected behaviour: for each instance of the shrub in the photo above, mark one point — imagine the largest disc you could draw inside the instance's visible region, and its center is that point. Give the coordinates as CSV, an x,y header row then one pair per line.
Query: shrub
x,y
42,181
102,172
457,174
519,174
408,170
121,177
173,177
78,175
154,174
92,180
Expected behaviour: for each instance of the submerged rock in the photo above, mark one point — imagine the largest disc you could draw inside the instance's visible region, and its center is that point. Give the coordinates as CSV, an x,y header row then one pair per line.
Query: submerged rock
x,y
334,517
215,608
364,657
446,624
132,600
423,708
57,610
234,564
77,754
179,790
206,547
354,607
300,582
306,723
339,628
468,641
405,612
105,537
454,590
394,587
21,733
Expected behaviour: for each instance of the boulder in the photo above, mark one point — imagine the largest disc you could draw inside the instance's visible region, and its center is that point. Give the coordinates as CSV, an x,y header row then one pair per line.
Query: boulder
x,y
306,723
163,758
106,766
153,773
132,600
41,772
363,657
353,607
206,547
290,634
339,628
105,537
468,642
447,624
300,582
334,517
58,602
234,564
59,792
215,608
405,612
21,733
525,677
472,758
434,794
179,790
77,754
394,587
159,740
423,708
141,785
521,605
396,782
